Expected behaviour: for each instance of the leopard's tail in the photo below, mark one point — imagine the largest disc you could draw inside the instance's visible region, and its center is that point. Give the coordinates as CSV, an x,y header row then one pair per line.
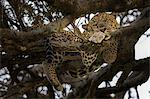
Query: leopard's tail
x,y
49,67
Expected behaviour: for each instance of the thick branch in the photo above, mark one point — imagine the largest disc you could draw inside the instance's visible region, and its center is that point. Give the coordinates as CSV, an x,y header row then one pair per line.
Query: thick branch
x,y
78,7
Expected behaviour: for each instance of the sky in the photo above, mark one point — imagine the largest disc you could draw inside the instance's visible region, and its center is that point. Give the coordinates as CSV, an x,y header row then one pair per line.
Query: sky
x,y
142,47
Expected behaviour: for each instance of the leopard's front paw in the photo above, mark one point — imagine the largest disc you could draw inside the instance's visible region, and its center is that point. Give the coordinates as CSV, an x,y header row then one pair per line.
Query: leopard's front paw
x,y
97,37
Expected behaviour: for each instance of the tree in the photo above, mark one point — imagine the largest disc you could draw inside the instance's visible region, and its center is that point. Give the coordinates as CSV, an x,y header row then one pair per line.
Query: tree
x,y
22,50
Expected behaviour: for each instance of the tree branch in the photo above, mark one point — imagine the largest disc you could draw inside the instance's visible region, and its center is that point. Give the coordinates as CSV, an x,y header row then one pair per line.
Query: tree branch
x,y
78,7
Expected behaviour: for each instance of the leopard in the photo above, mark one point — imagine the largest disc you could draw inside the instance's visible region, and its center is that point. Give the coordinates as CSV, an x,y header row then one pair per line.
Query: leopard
x,y
58,44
